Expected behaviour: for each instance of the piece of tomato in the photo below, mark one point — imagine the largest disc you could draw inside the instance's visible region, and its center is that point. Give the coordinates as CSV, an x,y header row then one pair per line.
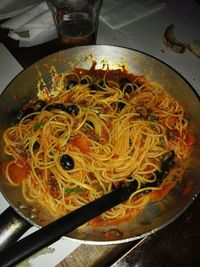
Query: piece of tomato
x,y
158,195
189,139
176,132
69,98
188,136
169,121
16,172
82,143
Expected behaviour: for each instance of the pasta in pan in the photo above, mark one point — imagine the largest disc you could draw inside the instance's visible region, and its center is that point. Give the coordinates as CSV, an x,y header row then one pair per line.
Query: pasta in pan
x,y
91,132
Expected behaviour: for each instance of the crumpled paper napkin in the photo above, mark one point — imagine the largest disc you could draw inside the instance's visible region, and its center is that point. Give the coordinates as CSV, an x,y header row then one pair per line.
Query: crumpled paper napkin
x,y
33,27
36,25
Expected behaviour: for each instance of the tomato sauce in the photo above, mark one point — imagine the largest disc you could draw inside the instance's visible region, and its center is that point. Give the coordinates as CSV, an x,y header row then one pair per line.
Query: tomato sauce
x,y
110,75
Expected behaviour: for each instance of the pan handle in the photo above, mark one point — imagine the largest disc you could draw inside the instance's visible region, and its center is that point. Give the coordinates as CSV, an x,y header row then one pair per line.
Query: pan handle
x,y
12,227
56,229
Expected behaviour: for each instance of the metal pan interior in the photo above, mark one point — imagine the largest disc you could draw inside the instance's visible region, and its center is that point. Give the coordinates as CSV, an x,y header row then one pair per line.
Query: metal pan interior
x,y
157,214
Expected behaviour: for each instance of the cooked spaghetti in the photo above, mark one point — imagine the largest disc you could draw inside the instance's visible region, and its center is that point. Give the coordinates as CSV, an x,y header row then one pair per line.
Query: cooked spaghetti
x,y
91,132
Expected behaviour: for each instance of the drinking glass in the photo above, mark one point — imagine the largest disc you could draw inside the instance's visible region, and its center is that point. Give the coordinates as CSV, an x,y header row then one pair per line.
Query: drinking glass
x,y
76,20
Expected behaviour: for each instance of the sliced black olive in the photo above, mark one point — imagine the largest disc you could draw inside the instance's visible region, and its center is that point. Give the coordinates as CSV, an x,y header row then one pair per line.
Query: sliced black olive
x,y
134,87
168,163
59,106
28,111
39,105
84,81
72,109
67,162
70,84
132,185
128,89
36,145
121,105
159,179
56,106
102,84
18,115
94,87
90,123
123,82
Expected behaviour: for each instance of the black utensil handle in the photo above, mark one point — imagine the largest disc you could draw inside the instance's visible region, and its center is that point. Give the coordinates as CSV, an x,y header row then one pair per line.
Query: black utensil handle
x,y
55,230
12,227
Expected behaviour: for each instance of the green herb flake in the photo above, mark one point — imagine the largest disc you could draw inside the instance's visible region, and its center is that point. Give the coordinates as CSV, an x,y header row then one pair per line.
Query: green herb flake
x,y
152,126
73,190
37,126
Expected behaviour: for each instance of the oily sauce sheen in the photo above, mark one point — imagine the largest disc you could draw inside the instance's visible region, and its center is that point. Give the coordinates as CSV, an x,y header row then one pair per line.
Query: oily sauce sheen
x,y
103,129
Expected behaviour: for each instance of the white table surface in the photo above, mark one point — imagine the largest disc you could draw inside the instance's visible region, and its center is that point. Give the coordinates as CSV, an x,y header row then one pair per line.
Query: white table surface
x,y
143,34
146,35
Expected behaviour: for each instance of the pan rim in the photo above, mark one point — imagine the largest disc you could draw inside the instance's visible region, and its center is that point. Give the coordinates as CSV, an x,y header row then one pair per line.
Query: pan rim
x,y
131,238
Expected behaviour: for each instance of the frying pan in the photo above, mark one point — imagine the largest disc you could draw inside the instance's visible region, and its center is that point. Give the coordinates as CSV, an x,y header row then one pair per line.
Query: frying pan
x,y
156,214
